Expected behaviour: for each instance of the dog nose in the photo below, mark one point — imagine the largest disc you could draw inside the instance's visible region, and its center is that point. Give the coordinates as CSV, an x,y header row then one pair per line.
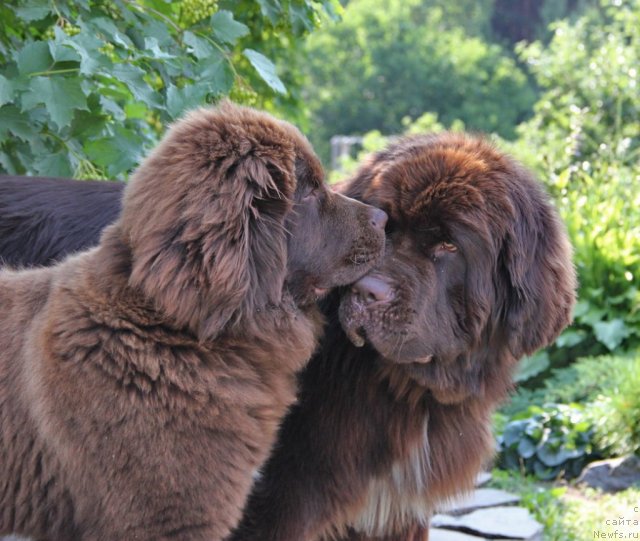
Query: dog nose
x,y
378,218
372,289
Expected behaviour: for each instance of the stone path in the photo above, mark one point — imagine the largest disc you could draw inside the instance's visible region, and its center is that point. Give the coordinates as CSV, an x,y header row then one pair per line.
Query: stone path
x,y
486,513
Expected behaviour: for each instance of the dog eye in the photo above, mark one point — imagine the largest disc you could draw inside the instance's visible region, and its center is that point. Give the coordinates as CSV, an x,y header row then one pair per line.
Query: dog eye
x,y
442,248
310,193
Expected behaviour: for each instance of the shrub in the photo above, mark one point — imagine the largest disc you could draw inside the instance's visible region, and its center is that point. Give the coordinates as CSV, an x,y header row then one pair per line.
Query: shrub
x,y
548,442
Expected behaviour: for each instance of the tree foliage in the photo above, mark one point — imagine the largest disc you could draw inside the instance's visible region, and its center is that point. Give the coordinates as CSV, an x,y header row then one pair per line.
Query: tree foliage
x,y
87,86
389,59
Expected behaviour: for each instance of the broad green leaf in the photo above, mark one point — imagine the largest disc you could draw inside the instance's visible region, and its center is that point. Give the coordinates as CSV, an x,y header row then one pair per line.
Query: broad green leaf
x,y
545,473
111,32
270,9
6,91
266,69
226,29
34,10
570,338
6,165
133,78
60,96
532,366
217,72
513,432
611,333
152,45
13,121
61,50
180,100
117,154
54,165
526,448
34,57
199,47
88,47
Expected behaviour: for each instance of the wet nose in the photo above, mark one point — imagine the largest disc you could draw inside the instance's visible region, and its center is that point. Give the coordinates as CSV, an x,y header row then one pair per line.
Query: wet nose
x,y
378,218
372,289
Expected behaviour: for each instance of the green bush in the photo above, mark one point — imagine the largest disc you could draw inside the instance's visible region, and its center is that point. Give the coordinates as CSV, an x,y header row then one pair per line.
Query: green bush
x,y
389,59
548,442
615,413
87,87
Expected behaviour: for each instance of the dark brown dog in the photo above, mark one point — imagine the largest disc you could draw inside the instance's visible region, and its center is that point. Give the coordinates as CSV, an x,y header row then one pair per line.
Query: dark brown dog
x,y
142,382
393,416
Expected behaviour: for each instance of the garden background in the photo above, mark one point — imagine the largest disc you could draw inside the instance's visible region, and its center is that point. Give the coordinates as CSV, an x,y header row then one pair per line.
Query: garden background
x,y
88,87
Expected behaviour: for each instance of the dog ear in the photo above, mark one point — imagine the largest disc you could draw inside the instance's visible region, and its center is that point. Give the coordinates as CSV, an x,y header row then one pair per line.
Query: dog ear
x,y
220,252
537,259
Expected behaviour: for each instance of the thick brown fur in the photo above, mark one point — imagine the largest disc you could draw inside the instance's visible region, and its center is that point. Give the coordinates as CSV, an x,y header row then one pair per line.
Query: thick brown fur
x,y
477,273
142,382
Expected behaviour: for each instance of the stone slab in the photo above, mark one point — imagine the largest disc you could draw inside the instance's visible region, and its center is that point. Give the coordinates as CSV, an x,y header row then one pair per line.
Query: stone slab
x,y
436,534
479,499
494,522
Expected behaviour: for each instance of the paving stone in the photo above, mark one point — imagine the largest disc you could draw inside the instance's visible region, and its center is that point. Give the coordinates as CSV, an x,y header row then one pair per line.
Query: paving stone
x,y
494,522
436,534
479,499
483,478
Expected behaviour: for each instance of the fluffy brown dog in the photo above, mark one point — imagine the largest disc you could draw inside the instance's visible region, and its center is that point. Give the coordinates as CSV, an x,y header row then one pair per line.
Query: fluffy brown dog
x,y
394,410
142,382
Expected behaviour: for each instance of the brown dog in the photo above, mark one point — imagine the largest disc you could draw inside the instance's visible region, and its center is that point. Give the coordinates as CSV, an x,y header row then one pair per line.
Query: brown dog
x,y
394,410
142,382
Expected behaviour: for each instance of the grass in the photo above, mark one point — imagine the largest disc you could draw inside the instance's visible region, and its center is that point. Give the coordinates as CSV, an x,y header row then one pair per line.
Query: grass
x,y
573,513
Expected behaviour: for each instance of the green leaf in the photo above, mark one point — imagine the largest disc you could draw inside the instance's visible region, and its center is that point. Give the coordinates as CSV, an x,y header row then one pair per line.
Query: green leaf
x,y
6,91
133,78
34,10
13,121
189,97
226,29
532,366
53,165
218,73
611,333
266,69
270,9
570,338
152,45
117,154
513,432
545,473
34,57
199,47
60,96
61,50
88,47
526,448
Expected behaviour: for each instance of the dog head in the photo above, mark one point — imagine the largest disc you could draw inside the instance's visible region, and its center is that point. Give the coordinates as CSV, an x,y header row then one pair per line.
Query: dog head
x,y
228,210
477,270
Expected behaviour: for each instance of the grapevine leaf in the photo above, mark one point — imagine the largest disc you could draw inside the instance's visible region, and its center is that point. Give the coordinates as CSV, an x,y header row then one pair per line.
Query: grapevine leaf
x,y
183,99
60,49
53,165
270,9
34,10
199,47
117,154
33,57
218,73
88,47
133,78
266,69
6,91
15,122
60,96
226,29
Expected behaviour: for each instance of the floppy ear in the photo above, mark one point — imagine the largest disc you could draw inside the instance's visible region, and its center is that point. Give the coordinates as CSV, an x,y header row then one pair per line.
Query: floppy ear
x,y
221,254
541,277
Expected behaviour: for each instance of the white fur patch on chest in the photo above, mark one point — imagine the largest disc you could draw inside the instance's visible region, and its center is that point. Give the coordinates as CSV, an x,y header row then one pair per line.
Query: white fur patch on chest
x,y
399,499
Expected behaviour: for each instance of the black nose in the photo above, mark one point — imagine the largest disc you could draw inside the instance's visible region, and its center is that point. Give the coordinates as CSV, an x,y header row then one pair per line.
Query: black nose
x,y
372,289
378,218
